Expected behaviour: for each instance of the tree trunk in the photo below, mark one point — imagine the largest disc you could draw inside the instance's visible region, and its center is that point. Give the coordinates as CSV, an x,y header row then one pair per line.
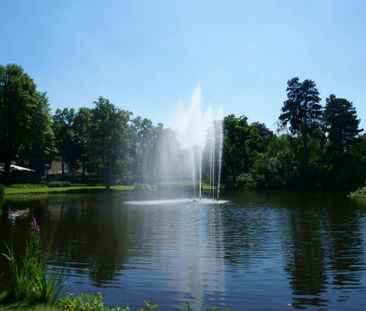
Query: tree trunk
x,y
83,173
62,166
306,154
234,181
6,174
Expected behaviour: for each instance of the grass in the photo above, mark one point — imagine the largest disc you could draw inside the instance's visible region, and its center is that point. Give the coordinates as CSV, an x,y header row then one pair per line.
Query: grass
x,y
71,189
43,189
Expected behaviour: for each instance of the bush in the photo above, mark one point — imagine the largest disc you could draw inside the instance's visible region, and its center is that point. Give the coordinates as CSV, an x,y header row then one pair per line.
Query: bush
x,y
55,184
86,302
2,190
359,194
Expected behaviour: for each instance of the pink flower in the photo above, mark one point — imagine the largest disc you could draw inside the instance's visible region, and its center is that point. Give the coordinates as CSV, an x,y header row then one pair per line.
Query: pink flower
x,y
34,225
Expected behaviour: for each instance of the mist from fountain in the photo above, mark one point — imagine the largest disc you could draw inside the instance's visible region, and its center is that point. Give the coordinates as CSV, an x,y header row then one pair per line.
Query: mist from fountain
x,y
194,154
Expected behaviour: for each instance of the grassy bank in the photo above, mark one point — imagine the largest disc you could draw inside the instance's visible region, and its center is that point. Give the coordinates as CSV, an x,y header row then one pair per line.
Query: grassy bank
x,y
71,189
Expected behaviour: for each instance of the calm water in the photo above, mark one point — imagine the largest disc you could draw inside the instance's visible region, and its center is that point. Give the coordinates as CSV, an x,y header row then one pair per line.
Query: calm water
x,y
259,251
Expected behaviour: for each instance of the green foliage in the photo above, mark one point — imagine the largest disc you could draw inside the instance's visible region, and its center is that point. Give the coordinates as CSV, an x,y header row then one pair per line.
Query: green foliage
x,y
341,123
235,152
87,302
109,140
302,112
2,190
277,168
24,118
359,194
244,145
81,139
29,280
143,137
149,306
72,132
56,184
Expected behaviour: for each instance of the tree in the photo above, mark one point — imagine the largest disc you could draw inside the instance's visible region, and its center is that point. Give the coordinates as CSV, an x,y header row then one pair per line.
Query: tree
x,y
234,152
344,163
277,167
40,151
109,140
302,112
63,129
24,116
81,135
341,123
263,130
142,139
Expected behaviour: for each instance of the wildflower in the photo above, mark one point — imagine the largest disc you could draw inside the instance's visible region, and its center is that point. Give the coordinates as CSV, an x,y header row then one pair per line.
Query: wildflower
x,y
34,225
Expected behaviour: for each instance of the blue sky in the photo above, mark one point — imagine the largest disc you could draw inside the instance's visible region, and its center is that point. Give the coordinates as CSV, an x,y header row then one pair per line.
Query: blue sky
x,y
147,55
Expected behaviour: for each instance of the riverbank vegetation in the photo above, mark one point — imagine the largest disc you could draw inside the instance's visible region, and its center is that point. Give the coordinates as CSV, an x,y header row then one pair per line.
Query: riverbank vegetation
x,y
316,147
359,194
94,302
39,189
29,281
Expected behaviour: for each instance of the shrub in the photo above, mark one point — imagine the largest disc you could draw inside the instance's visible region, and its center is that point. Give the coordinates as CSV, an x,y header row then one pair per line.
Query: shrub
x,y
55,184
86,302
29,281
2,190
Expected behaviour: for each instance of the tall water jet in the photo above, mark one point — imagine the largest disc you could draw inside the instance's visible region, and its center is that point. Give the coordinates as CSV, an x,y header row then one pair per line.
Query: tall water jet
x,y
221,142
193,155
213,149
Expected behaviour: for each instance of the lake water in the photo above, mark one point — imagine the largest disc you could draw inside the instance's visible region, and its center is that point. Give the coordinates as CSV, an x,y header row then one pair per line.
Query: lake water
x,y
257,251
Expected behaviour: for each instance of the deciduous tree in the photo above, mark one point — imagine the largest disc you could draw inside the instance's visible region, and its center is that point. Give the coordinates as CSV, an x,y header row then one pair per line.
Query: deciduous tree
x,y
24,116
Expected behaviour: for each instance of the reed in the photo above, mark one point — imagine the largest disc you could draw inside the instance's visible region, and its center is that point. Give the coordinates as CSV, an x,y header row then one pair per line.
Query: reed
x,y
29,278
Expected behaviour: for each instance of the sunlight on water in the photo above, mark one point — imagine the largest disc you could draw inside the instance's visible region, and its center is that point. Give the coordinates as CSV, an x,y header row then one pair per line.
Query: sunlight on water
x,y
177,201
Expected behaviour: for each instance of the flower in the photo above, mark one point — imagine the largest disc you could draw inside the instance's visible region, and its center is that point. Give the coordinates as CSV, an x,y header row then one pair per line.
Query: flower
x,y
34,225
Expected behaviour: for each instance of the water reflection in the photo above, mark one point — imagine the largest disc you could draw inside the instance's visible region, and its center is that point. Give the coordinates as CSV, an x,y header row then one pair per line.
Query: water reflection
x,y
265,251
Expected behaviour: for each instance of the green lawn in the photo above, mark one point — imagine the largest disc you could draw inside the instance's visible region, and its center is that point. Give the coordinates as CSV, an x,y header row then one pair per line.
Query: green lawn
x,y
39,190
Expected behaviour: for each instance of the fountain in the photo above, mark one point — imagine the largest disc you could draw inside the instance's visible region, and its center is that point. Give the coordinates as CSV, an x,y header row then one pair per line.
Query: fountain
x,y
191,154
200,133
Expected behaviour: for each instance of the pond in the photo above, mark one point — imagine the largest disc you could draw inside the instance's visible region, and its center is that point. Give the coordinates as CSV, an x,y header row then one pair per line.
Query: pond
x,y
257,251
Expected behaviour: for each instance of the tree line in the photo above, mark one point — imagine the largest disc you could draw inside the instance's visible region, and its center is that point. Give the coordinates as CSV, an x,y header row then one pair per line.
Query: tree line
x,y
315,147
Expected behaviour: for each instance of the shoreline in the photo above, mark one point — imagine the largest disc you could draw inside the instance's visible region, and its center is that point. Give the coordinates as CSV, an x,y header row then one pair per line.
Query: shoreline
x,y
9,191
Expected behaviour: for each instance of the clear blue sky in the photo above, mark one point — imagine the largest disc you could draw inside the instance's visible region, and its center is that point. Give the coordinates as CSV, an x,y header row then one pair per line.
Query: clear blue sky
x,y
147,55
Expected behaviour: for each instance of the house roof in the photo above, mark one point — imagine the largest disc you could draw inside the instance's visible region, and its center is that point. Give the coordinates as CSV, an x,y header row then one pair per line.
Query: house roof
x,y
17,168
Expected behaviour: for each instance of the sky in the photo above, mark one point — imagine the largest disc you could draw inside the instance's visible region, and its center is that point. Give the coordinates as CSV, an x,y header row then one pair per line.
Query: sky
x,y
147,56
